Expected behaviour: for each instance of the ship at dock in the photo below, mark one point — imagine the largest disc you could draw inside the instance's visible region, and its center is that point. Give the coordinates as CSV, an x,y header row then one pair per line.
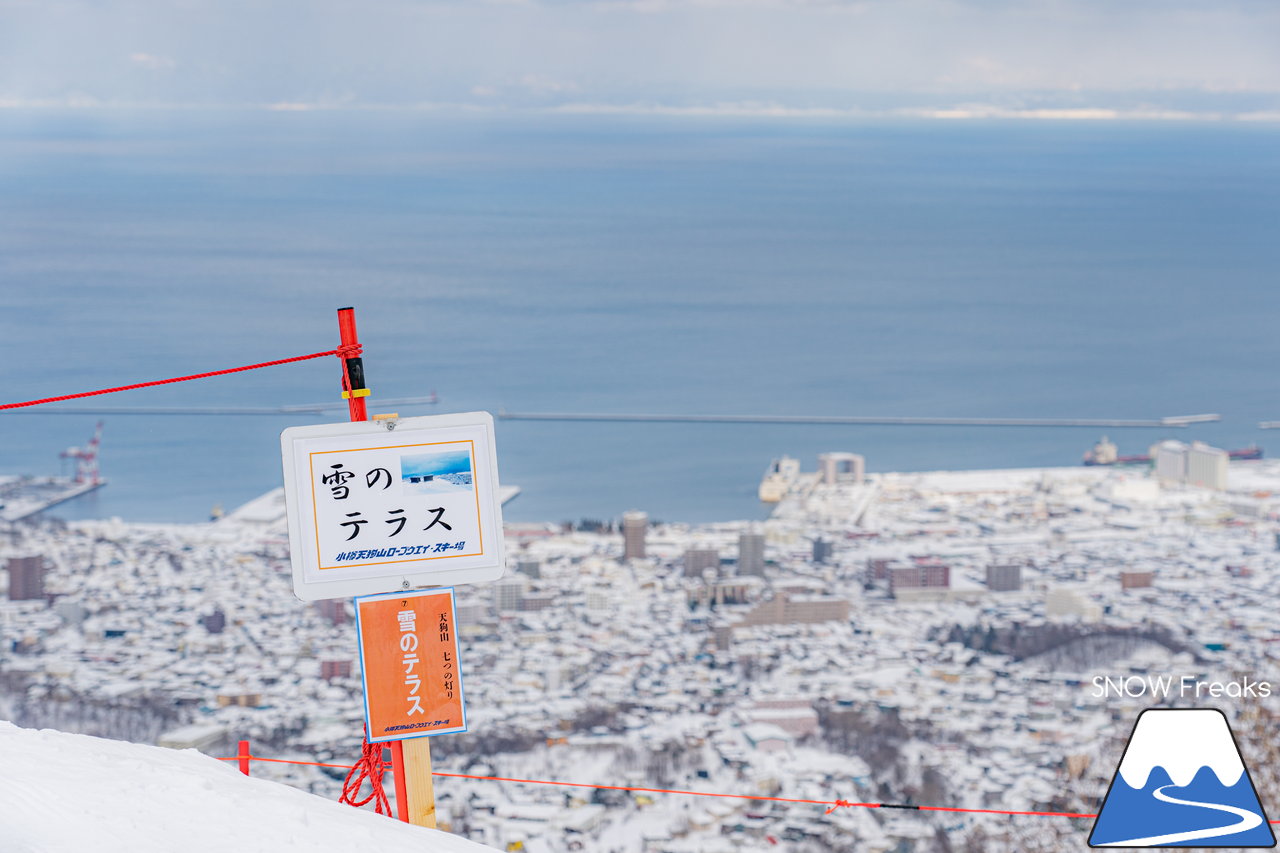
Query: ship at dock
x,y
778,477
1105,452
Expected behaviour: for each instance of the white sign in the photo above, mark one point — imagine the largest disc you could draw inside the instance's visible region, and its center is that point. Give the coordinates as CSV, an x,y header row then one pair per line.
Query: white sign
x,y
381,506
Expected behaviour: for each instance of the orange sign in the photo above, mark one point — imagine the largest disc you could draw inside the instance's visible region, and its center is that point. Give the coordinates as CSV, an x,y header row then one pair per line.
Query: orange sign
x,y
409,658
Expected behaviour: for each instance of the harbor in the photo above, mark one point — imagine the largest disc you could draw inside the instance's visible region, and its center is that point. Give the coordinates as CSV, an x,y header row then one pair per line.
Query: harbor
x,y
24,496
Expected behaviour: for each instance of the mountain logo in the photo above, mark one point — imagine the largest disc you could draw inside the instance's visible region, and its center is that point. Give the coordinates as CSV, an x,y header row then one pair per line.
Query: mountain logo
x,y
1182,783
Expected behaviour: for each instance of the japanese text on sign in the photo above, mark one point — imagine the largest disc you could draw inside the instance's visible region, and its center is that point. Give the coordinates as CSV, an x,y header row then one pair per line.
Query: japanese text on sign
x,y
374,508
409,660
430,500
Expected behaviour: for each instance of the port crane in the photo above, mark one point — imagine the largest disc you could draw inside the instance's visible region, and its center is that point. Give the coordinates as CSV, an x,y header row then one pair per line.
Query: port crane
x,y
86,458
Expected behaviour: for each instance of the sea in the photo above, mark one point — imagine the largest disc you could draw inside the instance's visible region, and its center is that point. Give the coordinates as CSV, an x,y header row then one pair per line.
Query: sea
x,y
693,265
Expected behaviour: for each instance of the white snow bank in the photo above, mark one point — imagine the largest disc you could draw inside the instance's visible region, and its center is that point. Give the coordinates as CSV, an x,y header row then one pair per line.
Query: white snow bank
x,y
80,794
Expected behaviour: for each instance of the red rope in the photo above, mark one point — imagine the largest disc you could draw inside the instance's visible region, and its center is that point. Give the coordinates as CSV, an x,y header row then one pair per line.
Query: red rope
x,y
371,767
835,804
341,352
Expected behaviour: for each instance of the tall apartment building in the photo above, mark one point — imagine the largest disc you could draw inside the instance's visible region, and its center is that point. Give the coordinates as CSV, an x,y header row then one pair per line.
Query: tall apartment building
x,y
751,554
635,525
26,578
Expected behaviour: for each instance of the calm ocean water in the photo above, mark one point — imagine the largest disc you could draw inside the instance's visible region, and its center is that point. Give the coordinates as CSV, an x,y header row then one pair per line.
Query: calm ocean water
x,y
619,265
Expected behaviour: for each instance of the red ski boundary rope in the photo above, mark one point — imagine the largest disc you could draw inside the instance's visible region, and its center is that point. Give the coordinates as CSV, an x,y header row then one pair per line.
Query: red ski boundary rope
x,y
371,767
342,352
833,804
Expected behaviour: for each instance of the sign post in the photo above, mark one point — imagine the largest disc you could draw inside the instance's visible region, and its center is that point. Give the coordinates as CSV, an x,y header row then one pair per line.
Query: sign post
x,y
388,505
409,659
380,510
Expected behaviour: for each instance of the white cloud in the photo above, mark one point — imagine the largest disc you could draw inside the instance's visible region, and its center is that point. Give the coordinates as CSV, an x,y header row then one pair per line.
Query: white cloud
x,y
152,62
802,54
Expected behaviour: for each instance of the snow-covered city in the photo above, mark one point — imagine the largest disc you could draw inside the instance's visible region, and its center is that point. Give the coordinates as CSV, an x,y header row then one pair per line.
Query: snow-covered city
x,y
969,640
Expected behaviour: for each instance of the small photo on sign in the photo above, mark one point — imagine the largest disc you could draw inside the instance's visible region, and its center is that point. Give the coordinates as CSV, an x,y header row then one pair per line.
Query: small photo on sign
x,y
443,473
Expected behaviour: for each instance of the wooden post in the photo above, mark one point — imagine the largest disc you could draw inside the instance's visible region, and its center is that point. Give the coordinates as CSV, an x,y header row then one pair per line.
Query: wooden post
x,y
410,759
419,786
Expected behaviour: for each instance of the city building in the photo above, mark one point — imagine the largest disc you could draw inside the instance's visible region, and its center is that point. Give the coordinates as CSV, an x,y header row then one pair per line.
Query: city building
x,y
206,737
923,576
784,609
1136,580
26,578
1006,578
796,717
822,550
1170,459
735,590
534,602
508,591
332,610
331,669
635,525
878,568
1061,601
530,568
1207,466
471,612
215,622
1196,465
841,468
697,560
751,554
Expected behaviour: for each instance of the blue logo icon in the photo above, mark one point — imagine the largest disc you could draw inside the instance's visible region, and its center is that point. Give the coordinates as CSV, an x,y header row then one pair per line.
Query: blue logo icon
x,y
1182,783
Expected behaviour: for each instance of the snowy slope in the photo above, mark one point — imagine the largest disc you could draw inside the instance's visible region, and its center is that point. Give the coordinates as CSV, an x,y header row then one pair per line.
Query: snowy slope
x,y
62,792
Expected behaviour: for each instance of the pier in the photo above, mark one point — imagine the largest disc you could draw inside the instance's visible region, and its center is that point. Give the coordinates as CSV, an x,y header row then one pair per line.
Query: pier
x,y
21,497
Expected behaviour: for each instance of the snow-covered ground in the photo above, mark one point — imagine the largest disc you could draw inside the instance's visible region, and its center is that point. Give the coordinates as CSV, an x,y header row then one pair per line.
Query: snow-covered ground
x,y
64,792
808,677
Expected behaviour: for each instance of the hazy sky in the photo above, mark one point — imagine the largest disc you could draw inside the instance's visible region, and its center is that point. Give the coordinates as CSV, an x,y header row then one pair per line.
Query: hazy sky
x,y
612,53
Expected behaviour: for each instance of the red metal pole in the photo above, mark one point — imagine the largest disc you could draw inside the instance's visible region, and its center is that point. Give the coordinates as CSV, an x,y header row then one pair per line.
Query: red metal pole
x,y
402,790
243,755
352,368
354,390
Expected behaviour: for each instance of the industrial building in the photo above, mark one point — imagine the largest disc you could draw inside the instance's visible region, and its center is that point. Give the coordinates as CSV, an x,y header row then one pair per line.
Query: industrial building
x,y
1177,464
841,468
